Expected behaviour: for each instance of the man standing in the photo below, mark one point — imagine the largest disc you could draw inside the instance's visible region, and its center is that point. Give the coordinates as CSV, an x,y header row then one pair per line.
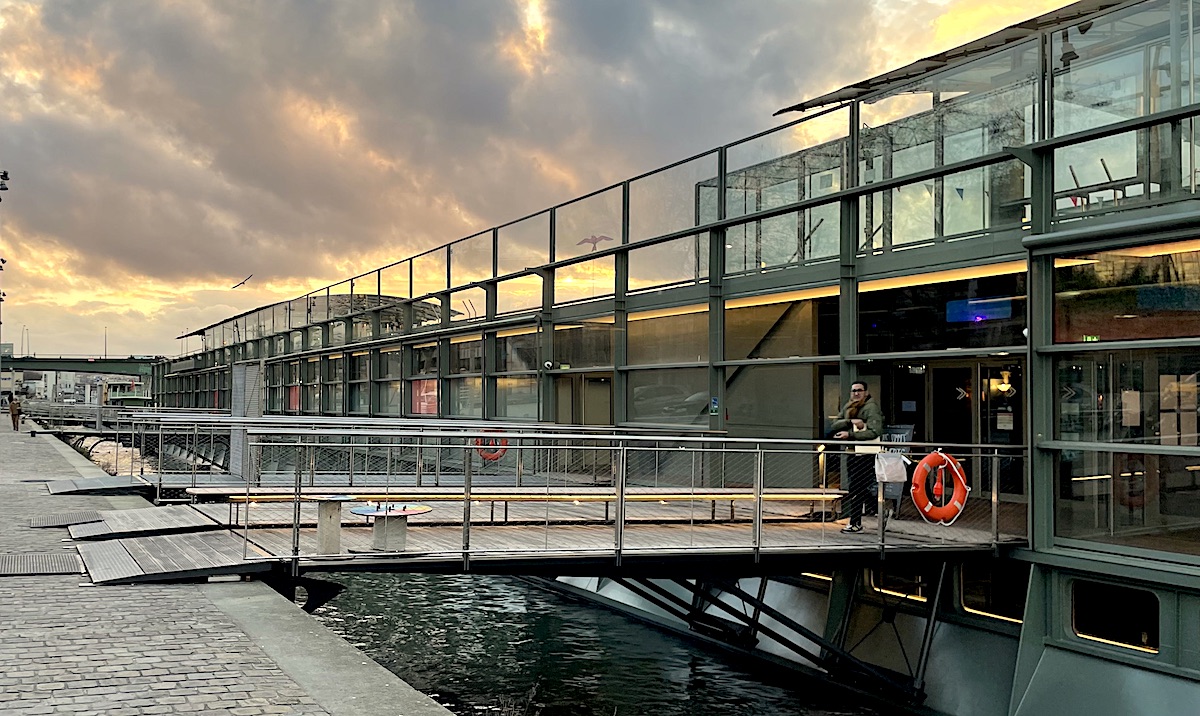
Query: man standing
x,y
14,410
860,419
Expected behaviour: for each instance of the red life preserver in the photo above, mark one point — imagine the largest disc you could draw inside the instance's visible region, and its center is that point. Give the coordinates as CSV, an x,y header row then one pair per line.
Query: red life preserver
x,y
491,448
947,513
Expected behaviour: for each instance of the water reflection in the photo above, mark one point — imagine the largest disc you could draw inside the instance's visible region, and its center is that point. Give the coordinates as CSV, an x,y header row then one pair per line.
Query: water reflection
x,y
496,644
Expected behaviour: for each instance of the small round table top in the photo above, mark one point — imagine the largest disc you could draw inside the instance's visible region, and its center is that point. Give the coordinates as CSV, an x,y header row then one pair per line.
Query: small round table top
x,y
390,509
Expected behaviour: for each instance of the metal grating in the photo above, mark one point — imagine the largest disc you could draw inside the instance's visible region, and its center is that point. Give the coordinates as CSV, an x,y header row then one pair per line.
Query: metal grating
x,y
65,519
14,565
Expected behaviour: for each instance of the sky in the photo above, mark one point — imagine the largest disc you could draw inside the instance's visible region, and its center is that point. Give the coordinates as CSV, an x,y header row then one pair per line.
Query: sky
x,y
160,152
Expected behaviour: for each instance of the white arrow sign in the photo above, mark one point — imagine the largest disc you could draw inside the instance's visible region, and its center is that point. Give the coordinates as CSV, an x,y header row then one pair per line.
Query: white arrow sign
x,y
962,394
1068,392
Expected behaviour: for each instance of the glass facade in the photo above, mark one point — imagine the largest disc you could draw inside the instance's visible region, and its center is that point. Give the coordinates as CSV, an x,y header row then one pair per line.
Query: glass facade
x,y
895,237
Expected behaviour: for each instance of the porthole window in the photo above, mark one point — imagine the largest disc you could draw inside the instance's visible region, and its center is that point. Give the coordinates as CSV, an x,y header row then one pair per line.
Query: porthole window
x,y
1116,615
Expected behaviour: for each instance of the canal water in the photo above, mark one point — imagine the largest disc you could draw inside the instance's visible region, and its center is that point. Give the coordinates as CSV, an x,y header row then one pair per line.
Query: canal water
x,y
498,645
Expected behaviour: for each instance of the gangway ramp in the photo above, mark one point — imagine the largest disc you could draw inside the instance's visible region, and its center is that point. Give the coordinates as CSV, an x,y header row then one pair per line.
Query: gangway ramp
x,y
143,522
169,558
111,484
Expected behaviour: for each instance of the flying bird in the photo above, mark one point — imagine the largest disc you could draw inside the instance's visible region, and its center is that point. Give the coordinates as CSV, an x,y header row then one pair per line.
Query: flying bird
x,y
593,240
242,282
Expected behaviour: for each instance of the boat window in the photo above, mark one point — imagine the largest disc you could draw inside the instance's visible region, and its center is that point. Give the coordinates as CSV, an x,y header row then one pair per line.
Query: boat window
x,y
1116,615
906,586
995,589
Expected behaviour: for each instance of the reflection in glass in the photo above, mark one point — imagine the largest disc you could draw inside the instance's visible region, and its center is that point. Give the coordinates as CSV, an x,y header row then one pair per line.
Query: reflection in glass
x,y
517,350
394,281
391,398
588,224
468,305
985,311
782,326
466,397
429,272
1128,294
424,397
585,281
670,263
773,400
524,244
668,336
523,293
517,397
466,355
672,396
1133,396
673,199
471,259
583,345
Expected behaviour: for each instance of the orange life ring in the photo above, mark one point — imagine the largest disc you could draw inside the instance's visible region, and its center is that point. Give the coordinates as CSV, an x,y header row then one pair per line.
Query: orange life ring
x,y
948,512
491,448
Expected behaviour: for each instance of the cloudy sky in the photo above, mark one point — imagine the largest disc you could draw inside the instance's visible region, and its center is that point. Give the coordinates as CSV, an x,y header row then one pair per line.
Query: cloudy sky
x,y
162,151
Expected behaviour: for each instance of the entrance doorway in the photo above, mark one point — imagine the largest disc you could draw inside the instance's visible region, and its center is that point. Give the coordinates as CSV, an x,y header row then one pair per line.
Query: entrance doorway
x,y
583,399
966,402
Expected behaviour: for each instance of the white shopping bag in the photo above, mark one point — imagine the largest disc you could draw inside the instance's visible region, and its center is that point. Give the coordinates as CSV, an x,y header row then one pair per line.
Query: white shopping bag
x,y
891,467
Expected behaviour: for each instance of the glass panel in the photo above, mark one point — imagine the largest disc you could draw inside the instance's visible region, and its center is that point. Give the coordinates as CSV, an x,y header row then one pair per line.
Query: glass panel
x,y
425,360
1120,66
359,398
281,318
1130,498
468,305
673,199
466,397
517,352
682,261
1092,605
365,290
753,407
1128,294
585,281
337,333
1137,396
332,394
334,369
588,224
524,244
783,240
318,307
517,397
391,364
297,340
673,396
466,356
391,321
360,367
668,336
986,311
391,398
316,337
523,293
968,111
427,312
584,345
429,272
781,328
298,312
789,164
362,328
394,281
424,397
471,259
959,205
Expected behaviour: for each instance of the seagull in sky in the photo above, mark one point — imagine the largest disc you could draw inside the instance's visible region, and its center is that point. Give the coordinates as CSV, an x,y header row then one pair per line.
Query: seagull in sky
x,y
242,282
593,240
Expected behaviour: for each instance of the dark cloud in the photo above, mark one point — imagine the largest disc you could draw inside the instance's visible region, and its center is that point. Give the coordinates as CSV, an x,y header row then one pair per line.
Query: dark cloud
x,y
198,142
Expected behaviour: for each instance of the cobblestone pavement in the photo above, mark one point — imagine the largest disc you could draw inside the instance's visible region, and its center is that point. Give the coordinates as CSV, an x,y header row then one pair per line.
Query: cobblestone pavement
x,y
68,647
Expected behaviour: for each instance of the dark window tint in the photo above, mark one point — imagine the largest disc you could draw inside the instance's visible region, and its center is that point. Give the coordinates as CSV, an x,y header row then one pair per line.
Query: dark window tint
x,y
1115,615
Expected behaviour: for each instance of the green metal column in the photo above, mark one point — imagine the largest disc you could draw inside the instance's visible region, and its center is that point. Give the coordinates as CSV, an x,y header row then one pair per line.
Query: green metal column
x,y
848,262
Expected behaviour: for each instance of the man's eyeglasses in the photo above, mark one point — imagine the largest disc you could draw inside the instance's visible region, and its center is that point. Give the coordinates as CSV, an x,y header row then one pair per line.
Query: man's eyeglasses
x,y
858,390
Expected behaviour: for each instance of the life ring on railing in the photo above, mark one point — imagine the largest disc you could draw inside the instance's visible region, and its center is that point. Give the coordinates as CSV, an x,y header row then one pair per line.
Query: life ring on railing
x,y
936,463
491,448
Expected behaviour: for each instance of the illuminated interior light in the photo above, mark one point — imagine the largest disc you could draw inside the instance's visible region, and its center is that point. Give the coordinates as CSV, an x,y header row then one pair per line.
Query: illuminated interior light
x,y
1091,477
1110,642
924,279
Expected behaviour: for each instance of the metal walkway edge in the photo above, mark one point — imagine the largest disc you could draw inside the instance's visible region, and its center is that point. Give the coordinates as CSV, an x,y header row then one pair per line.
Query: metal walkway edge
x,y
112,485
